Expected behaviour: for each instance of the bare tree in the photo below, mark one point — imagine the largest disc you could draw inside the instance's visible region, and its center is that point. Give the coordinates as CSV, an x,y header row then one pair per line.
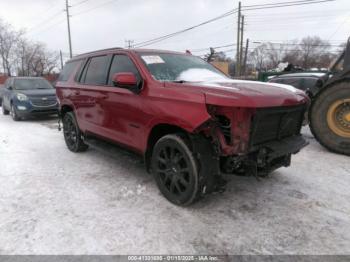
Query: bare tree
x,y
24,57
311,51
259,57
8,41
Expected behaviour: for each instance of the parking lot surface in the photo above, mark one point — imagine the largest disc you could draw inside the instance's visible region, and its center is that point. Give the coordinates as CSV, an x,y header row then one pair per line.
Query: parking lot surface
x,y
53,201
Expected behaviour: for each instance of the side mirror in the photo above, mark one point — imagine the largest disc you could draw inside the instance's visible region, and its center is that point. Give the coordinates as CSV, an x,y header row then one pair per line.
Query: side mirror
x,y
126,80
9,87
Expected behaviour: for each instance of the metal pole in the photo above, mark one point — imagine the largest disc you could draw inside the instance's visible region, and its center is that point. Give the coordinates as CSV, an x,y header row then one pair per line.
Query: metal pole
x,y
241,48
69,34
238,37
61,59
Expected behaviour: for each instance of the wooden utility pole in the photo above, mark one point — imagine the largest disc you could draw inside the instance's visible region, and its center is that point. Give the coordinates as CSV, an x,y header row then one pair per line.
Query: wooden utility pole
x,y
238,39
61,56
245,58
241,48
129,44
69,34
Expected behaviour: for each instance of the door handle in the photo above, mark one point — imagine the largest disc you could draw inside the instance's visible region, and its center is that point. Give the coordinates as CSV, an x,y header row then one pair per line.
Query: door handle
x,y
76,93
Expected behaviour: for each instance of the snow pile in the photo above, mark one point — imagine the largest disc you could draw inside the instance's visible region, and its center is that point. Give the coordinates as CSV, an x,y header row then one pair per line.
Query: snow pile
x,y
200,75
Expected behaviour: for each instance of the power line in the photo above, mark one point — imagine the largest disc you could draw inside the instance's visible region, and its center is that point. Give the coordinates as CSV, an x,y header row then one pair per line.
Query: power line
x,y
44,22
94,8
286,5
281,40
245,8
164,37
340,26
215,47
48,27
296,44
286,14
285,17
80,3
280,3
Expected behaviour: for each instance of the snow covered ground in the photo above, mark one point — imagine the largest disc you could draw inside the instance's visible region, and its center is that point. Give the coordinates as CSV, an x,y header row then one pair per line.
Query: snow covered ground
x,y
55,202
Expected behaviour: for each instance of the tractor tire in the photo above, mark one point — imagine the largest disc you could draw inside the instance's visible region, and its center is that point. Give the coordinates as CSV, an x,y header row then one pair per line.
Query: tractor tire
x,y
329,117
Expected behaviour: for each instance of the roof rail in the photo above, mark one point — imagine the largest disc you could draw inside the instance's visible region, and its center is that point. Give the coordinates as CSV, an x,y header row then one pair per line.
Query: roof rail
x,y
101,50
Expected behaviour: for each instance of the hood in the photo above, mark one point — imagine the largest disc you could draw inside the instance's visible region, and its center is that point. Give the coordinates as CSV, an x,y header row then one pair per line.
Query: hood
x,y
37,92
239,93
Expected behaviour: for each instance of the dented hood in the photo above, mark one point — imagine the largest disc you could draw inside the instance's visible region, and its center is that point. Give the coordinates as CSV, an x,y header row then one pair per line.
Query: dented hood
x,y
250,94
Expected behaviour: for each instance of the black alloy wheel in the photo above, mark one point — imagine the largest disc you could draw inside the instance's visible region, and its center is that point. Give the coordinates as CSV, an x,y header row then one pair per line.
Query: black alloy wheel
x,y
72,134
175,170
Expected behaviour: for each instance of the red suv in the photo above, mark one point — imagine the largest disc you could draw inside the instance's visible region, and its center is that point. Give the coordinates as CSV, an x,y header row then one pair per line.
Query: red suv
x,y
190,122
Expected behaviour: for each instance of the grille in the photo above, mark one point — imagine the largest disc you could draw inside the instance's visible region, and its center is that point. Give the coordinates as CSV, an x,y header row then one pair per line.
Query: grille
x,y
276,123
40,102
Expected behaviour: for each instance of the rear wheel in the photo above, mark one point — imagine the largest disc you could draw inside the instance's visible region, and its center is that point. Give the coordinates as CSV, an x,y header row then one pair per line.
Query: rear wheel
x,y
330,118
4,111
175,170
14,114
72,134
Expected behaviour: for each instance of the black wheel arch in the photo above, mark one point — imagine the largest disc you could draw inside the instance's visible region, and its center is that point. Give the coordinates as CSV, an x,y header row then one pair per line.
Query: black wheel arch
x,y
65,109
157,132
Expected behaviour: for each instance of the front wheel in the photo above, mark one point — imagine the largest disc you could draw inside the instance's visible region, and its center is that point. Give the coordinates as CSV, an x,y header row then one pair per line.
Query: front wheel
x,y
175,170
72,134
14,114
330,118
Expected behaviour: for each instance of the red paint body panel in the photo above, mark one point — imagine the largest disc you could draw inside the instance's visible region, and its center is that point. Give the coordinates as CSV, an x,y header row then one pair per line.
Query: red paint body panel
x,y
127,118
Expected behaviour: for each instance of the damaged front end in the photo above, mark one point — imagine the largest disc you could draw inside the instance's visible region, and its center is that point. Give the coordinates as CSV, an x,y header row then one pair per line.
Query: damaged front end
x,y
254,141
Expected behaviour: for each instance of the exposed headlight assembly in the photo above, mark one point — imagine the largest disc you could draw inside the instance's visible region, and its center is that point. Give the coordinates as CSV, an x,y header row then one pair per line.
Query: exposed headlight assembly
x,y
22,97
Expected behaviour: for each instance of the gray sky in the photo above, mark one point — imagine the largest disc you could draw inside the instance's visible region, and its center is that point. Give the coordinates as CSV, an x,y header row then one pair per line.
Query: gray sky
x,y
114,21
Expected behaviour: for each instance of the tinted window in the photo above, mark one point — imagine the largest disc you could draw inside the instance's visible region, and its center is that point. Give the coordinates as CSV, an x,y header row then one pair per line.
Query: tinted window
x,y
96,73
67,71
30,84
296,82
277,80
287,81
122,63
309,83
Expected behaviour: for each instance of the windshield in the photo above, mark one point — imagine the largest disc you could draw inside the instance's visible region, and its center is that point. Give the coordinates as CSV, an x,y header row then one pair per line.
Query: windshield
x,y
29,84
177,67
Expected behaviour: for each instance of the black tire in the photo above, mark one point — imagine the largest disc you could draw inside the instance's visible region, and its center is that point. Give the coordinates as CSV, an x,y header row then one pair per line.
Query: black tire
x,y
4,111
14,114
319,123
175,170
72,134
